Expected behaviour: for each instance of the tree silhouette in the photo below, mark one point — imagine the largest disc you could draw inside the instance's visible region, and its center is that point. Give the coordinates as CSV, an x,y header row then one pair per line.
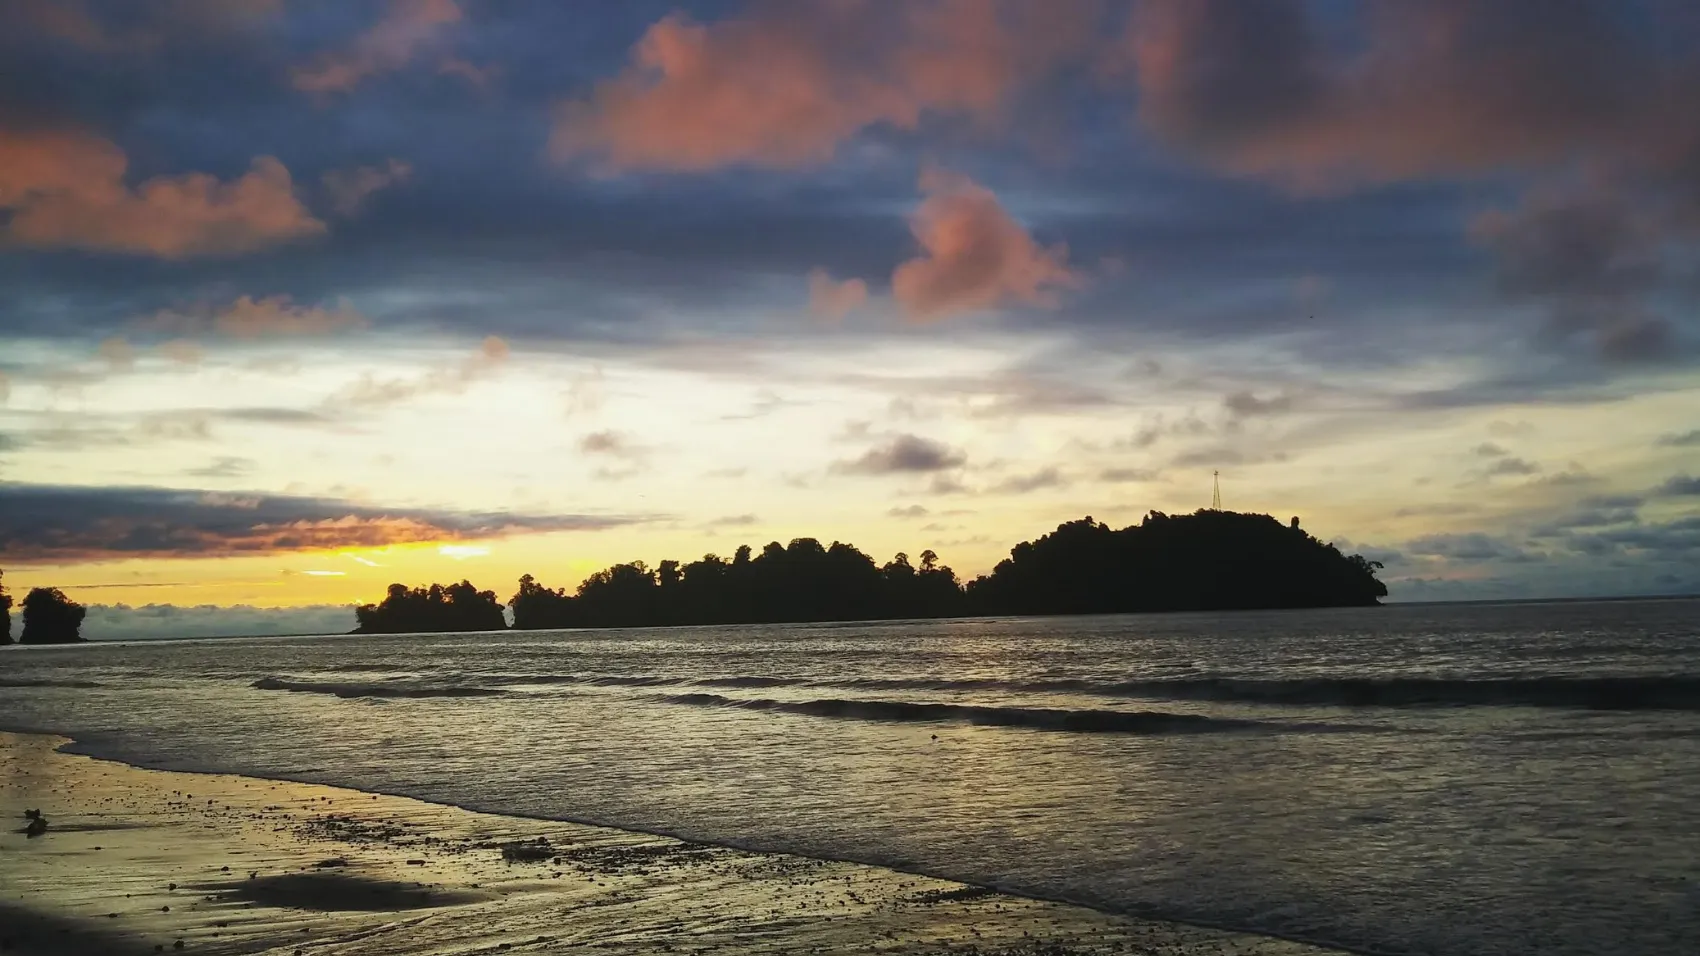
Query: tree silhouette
x,y
51,618
439,608
1210,560
5,613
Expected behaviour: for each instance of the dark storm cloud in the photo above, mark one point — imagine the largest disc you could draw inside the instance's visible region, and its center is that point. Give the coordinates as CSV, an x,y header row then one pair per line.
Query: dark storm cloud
x,y
1680,485
59,524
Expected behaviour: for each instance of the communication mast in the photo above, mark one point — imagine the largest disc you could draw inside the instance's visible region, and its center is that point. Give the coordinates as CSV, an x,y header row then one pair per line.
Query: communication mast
x,y
1216,493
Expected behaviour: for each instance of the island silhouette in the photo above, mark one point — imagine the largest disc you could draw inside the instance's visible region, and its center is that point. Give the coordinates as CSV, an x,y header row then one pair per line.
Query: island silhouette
x,y
1207,561
49,617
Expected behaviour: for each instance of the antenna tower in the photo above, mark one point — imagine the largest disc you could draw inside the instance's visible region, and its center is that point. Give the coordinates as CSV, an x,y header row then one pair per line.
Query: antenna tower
x,y
1216,494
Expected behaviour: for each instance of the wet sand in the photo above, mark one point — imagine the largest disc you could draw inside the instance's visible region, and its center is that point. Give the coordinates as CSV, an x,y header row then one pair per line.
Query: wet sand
x,y
143,861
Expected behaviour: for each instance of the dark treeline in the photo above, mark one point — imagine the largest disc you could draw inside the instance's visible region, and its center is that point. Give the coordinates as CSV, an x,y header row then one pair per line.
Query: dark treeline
x,y
454,607
803,581
1211,560
49,617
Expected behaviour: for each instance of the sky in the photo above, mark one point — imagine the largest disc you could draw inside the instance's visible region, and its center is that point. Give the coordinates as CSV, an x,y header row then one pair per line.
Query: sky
x,y
298,299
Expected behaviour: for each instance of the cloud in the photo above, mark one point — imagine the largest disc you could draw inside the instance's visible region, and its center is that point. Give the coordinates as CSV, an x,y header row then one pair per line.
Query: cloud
x,y
142,27
1246,404
786,84
974,256
1581,99
832,299
1680,440
1592,259
612,444
904,454
1048,477
180,351
1473,546
224,466
734,521
349,188
1488,449
387,46
118,354
274,316
453,379
1512,466
1680,485
64,524
1127,474
911,511
1424,88
123,622
1599,511
66,189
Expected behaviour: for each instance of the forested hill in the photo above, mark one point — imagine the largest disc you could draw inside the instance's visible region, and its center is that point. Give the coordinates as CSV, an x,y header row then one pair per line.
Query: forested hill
x,y
1207,561
1210,560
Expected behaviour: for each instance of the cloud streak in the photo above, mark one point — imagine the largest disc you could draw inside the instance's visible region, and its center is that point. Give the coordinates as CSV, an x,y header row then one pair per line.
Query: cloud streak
x,y
408,27
63,524
276,316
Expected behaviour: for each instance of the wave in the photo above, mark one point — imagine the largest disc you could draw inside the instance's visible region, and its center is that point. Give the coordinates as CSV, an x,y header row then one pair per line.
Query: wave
x,y
47,682
1587,693
1071,721
1680,693
349,691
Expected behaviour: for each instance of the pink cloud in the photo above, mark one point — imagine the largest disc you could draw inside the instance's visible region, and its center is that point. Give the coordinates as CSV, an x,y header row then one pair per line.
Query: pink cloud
x,y
833,299
974,255
389,45
1440,87
66,189
787,85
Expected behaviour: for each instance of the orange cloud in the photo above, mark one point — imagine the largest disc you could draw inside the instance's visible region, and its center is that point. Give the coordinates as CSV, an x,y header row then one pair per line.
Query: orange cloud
x,y
832,299
974,255
387,46
66,189
64,524
785,86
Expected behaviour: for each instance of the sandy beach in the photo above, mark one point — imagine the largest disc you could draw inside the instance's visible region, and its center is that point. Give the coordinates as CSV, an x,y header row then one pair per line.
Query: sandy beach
x,y
143,861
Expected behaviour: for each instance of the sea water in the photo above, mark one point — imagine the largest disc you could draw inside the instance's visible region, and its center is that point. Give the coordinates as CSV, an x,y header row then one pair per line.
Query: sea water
x,y
1470,779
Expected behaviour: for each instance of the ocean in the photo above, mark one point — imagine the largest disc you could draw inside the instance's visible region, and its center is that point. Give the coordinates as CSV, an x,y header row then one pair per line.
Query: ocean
x,y
1459,779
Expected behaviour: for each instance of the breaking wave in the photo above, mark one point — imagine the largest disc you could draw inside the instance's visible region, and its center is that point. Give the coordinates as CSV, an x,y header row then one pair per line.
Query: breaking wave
x,y
388,689
1679,693
1071,721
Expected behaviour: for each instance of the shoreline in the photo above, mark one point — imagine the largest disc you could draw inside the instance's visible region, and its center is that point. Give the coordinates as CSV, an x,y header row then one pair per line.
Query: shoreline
x,y
135,859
